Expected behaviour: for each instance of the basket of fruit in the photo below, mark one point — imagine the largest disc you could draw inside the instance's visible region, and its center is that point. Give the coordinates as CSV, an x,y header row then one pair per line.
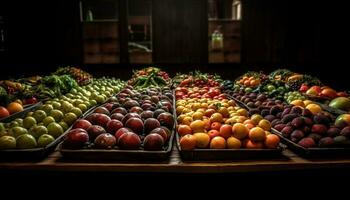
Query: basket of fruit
x,y
138,129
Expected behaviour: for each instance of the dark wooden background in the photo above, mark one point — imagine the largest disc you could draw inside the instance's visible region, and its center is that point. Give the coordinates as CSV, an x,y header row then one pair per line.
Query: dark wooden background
x,y
305,36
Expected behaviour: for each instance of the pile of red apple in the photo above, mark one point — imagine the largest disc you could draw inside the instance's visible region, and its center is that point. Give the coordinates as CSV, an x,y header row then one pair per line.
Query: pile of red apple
x,y
136,120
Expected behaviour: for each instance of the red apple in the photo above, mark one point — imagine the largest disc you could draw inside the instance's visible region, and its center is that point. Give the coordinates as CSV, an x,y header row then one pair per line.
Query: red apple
x,y
120,110
146,114
136,109
95,130
135,124
161,132
82,123
102,120
117,116
102,110
129,140
108,106
76,138
150,124
105,141
153,142
130,115
166,119
120,132
113,125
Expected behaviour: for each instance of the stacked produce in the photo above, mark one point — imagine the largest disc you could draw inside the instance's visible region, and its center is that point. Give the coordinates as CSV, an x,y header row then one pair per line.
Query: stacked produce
x,y
197,79
303,122
136,120
150,76
42,126
80,76
208,120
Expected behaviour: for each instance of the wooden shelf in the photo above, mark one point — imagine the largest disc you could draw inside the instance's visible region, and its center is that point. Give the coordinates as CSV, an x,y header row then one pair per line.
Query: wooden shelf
x,y
289,161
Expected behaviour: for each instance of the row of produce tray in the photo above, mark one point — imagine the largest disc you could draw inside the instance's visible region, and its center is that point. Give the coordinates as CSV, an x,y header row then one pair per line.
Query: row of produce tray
x,y
203,116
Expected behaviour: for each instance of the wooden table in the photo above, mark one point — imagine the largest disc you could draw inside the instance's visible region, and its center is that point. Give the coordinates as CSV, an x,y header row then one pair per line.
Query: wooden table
x,y
288,162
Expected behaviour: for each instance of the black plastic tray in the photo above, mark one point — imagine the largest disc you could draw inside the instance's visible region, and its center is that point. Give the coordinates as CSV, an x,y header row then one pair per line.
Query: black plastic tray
x,y
31,154
35,153
227,154
21,114
313,152
116,154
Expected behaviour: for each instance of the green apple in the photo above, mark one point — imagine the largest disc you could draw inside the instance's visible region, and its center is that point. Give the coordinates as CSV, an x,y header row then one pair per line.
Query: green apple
x,y
70,118
29,114
45,140
76,111
48,120
28,122
92,102
66,106
56,105
57,115
26,141
37,131
17,131
82,107
7,142
63,125
77,102
55,129
39,115
47,108
19,121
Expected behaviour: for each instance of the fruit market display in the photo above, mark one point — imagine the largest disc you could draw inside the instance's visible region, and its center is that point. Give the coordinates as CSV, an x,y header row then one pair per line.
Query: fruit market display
x,y
207,120
150,76
135,120
42,126
80,76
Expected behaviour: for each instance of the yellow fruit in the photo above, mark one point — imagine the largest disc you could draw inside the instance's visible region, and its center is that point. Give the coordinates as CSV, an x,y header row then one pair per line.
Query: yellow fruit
x,y
314,108
298,102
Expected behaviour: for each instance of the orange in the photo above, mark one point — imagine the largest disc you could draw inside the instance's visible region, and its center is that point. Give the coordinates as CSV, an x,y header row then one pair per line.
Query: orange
x,y
272,141
218,143
184,130
14,107
257,134
254,145
225,131
230,121
249,126
202,139
242,112
240,131
231,103
179,110
209,112
206,124
215,126
265,124
314,108
187,120
188,142
216,117
197,126
197,116
233,143
224,112
256,118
